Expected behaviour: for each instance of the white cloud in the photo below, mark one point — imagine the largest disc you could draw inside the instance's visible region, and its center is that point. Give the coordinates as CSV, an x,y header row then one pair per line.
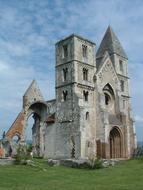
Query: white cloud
x,y
139,118
29,30
14,82
3,67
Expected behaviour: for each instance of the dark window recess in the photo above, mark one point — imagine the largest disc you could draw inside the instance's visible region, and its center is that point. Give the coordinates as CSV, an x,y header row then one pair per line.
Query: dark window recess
x,y
124,104
73,147
121,65
107,99
65,51
65,73
65,94
85,95
84,50
87,116
122,85
88,144
85,74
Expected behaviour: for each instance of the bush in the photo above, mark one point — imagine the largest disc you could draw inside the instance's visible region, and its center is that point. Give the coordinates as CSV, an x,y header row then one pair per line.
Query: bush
x,y
95,163
22,155
29,148
91,163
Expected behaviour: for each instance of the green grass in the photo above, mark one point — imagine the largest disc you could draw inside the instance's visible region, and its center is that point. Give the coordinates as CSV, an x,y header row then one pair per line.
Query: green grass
x,y
127,175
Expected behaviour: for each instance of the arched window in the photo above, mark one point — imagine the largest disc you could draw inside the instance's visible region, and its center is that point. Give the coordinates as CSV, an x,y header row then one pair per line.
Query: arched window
x,y
85,95
87,116
65,94
121,65
122,84
65,51
85,74
109,96
65,73
124,104
107,99
16,139
84,50
72,147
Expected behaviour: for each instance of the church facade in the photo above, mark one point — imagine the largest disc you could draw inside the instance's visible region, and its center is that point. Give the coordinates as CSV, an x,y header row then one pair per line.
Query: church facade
x,y
91,115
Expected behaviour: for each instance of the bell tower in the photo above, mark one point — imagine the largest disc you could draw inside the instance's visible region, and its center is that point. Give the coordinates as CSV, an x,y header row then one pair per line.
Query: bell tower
x,y
75,90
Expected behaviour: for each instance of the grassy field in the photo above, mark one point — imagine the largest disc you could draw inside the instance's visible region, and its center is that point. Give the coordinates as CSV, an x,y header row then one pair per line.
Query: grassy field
x,y
128,175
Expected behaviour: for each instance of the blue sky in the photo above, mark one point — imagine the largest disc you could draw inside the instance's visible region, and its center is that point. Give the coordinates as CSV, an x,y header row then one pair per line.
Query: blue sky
x,y
30,28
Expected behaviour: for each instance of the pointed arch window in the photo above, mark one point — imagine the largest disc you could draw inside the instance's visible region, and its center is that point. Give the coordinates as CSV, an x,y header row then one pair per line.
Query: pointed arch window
x,y
87,115
85,74
122,84
109,97
124,104
65,94
65,74
72,147
65,51
121,65
84,50
85,95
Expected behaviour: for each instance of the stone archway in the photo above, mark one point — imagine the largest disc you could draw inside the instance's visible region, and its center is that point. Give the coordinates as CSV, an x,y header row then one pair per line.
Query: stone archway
x,y
16,138
38,111
115,143
35,139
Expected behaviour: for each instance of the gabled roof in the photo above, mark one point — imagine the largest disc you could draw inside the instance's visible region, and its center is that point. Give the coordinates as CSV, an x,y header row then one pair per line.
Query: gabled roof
x,y
33,84
110,43
34,87
100,62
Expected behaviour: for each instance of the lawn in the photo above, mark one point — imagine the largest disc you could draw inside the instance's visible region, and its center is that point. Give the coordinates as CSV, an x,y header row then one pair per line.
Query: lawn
x,y
128,175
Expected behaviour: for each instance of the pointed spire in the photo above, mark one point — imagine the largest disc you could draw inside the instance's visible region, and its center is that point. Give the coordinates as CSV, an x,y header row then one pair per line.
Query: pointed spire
x,y
110,43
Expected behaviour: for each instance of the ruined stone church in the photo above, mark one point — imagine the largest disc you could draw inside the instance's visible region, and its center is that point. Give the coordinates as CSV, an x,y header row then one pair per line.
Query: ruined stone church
x,y
91,114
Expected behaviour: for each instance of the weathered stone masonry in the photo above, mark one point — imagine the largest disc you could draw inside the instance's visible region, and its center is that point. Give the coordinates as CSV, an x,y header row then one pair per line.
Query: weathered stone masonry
x,y
91,115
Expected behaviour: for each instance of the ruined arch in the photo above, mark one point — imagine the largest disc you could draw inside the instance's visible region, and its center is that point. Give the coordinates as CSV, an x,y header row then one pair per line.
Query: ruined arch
x,y
38,111
16,138
38,107
116,143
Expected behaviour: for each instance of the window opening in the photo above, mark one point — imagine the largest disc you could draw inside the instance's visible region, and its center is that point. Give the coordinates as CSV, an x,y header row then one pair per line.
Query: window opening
x,y
85,74
85,94
65,51
122,85
65,73
84,50
65,94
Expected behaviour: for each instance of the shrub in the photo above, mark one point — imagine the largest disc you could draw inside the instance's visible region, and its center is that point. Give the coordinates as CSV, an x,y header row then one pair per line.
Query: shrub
x,y
29,148
22,155
95,163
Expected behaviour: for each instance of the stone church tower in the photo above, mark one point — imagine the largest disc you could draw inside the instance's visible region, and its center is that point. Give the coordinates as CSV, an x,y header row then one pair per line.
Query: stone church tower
x,y
75,96
91,115
115,133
